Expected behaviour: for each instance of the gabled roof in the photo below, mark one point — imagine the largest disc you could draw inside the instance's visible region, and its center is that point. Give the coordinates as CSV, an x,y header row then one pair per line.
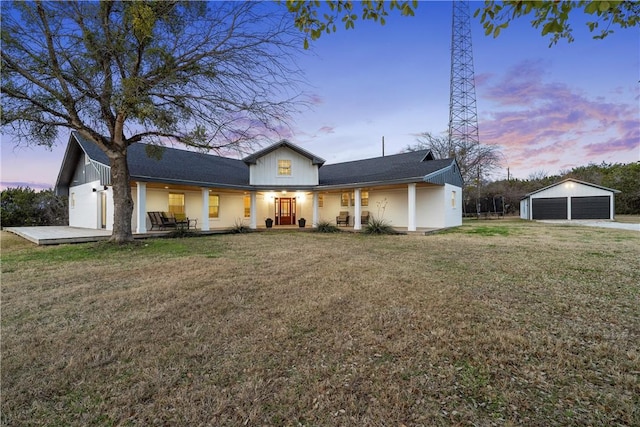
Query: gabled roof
x,y
253,158
404,167
572,180
206,170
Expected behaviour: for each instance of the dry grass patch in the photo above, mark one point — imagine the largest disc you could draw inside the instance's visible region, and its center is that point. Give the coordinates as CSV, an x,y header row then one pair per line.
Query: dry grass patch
x,y
528,324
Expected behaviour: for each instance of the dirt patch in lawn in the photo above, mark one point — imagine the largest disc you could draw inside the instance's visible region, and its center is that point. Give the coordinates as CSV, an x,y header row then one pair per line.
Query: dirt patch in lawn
x,y
526,324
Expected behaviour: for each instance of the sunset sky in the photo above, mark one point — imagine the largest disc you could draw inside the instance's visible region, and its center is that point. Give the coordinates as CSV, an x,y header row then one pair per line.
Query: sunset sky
x,y
546,108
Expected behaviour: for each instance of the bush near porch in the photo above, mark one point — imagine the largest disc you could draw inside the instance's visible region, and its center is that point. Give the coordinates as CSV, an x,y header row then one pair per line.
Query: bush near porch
x,y
518,323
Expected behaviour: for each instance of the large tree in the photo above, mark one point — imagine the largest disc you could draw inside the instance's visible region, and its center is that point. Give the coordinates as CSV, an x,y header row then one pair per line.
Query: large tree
x,y
210,75
315,18
475,160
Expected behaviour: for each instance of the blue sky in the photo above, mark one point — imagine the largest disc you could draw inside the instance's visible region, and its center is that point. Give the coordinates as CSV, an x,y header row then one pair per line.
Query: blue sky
x,y
547,109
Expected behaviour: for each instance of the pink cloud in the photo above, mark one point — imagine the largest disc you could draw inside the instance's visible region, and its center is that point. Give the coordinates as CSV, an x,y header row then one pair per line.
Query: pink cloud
x,y
539,124
315,99
326,130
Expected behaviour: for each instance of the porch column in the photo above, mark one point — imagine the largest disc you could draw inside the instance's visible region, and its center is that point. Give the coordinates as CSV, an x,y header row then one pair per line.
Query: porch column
x,y
205,210
141,207
357,212
612,213
411,207
253,224
314,222
568,207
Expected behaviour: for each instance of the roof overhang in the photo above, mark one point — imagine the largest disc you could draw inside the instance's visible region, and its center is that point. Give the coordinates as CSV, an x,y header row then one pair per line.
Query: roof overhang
x,y
526,196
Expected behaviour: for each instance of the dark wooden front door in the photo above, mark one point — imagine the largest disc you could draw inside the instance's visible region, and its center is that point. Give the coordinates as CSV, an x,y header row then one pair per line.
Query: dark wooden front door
x,y
286,211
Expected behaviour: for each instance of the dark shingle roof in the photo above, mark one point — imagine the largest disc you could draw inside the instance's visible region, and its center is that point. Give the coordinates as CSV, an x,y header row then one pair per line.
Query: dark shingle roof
x,y
191,168
397,167
180,166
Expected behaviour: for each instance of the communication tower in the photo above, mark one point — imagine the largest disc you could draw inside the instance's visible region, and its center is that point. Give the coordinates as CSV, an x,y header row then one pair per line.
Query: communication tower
x,y
463,116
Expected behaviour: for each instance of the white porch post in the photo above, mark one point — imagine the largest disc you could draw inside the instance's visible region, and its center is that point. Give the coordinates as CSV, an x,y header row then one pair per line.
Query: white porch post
x,y
569,207
314,222
253,223
357,212
205,210
141,207
612,213
411,206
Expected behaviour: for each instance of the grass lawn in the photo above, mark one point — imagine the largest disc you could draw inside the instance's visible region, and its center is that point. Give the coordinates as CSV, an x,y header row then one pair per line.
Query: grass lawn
x,y
493,323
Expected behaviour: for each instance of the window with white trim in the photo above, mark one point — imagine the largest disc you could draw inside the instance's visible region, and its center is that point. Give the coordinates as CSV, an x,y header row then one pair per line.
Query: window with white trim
x,y
214,206
284,167
176,203
247,206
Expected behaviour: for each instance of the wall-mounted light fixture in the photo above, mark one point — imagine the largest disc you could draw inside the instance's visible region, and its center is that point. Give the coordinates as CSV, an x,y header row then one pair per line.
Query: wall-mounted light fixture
x,y
94,190
106,188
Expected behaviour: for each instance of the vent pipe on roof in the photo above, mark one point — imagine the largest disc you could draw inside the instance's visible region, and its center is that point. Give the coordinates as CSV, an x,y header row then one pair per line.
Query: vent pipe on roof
x,y
382,145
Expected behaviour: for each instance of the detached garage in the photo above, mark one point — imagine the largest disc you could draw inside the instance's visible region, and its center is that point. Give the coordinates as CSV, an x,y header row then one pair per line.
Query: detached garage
x,y
569,199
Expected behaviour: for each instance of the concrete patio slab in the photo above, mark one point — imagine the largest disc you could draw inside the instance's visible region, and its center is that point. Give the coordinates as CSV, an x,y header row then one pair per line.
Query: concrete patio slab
x,y
56,235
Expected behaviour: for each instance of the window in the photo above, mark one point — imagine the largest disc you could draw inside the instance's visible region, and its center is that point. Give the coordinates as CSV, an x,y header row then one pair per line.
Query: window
x,y
364,198
247,206
214,205
176,203
453,199
320,200
284,167
344,201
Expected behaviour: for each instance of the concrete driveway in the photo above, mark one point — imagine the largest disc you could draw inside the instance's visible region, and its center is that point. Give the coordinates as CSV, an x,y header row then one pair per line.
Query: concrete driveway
x,y
596,223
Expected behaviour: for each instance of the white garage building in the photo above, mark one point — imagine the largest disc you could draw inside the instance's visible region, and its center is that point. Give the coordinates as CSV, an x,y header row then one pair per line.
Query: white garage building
x,y
569,199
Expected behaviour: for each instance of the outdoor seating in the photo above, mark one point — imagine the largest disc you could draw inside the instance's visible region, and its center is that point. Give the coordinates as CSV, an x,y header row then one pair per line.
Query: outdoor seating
x,y
159,220
364,218
343,218
164,220
182,220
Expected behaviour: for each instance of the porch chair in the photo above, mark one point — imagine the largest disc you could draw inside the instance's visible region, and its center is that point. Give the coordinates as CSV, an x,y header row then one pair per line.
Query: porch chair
x,y
183,220
343,218
157,220
364,218
171,220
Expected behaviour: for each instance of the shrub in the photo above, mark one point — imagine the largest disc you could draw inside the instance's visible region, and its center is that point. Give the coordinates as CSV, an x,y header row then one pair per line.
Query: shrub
x,y
180,232
326,227
239,227
378,226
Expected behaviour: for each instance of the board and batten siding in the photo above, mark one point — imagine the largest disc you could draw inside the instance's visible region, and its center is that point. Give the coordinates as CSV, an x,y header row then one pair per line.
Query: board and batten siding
x,y
265,171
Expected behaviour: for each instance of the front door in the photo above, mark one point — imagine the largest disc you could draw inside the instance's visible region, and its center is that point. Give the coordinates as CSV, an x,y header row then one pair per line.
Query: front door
x,y
285,211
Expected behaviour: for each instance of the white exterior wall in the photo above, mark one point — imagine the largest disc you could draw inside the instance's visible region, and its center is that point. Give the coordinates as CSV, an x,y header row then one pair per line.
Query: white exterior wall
x,y
571,189
452,206
524,208
84,206
265,171
433,206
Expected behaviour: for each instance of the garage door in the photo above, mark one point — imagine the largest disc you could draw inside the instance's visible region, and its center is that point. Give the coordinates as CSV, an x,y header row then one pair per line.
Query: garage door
x,y
596,207
549,208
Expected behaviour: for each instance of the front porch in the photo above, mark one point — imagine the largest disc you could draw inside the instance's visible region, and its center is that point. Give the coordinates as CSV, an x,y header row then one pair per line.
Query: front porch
x,y
57,235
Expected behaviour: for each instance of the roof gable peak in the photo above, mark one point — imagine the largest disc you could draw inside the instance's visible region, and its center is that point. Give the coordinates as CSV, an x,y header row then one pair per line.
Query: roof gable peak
x,y
253,158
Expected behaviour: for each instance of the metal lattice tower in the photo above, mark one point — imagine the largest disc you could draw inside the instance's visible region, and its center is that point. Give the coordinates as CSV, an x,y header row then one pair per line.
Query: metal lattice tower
x,y
463,116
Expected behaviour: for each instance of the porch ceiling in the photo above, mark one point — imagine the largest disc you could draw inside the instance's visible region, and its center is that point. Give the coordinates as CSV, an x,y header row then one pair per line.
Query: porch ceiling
x,y
182,187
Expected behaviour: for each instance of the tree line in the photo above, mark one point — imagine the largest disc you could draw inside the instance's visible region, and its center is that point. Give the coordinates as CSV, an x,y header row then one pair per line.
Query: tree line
x,y
23,206
506,193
